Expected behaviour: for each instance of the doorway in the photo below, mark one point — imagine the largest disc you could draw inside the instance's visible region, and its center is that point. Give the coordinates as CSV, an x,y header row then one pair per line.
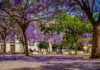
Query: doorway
x,y
12,49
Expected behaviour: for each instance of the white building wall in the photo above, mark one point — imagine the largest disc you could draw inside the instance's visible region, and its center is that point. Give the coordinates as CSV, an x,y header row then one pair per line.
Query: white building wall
x,y
18,46
34,46
8,47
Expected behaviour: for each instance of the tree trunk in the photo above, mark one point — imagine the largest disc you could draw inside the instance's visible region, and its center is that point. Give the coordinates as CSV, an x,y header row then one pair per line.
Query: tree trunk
x,y
76,51
25,45
50,48
95,53
4,52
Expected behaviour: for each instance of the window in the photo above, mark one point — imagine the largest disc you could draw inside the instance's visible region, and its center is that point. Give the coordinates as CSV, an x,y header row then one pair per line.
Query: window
x,y
1,47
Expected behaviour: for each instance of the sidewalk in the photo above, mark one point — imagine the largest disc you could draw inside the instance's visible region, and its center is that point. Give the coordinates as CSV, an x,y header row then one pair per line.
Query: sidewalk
x,y
60,62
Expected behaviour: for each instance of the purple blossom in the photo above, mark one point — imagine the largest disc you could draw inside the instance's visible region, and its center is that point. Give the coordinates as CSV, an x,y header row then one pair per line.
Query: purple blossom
x,y
50,41
11,37
17,1
57,38
34,32
87,35
84,16
84,43
37,35
29,31
35,25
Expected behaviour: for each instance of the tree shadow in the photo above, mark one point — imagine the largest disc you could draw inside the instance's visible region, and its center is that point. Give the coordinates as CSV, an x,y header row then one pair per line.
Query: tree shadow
x,y
66,66
71,66
38,58
25,69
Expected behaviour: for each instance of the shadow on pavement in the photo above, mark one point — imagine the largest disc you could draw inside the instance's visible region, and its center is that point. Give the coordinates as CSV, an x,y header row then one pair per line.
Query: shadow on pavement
x,y
25,69
66,66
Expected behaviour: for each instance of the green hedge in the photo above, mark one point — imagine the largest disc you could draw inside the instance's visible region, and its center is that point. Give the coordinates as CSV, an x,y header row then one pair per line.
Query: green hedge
x,y
43,45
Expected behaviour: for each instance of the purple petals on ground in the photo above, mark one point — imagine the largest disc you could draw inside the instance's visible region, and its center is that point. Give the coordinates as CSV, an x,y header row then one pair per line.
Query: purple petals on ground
x,y
38,58
59,62
13,57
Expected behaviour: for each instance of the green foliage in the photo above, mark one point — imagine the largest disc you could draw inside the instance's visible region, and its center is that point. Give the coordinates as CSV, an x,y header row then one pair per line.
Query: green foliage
x,y
44,28
96,16
73,47
43,45
72,26
56,46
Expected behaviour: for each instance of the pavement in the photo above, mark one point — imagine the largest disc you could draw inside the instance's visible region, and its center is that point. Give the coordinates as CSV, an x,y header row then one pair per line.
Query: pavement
x,y
54,62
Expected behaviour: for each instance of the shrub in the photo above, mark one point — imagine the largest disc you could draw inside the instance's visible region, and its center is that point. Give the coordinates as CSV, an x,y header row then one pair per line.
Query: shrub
x,y
43,45
56,46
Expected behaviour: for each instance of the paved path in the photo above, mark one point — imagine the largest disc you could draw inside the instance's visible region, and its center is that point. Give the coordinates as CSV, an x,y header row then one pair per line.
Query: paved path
x,y
18,65
47,63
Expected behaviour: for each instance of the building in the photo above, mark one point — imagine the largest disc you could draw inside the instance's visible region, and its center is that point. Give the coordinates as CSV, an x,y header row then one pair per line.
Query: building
x,y
16,46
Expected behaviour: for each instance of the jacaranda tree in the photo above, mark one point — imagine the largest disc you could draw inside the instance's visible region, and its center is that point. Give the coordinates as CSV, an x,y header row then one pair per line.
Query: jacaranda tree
x,y
73,28
5,31
89,9
23,12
